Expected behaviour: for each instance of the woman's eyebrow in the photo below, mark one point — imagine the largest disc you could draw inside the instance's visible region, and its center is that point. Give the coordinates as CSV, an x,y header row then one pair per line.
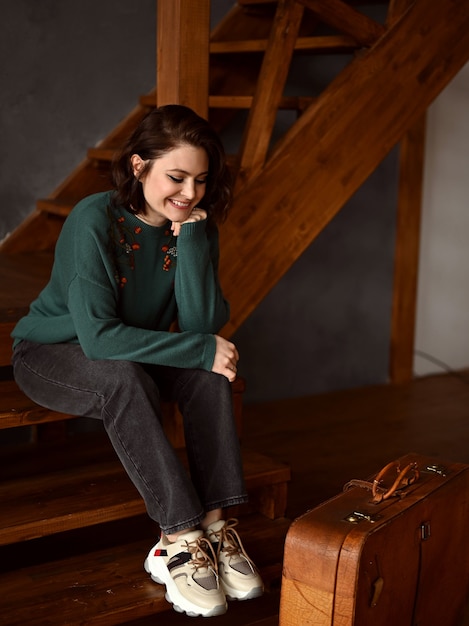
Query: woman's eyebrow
x,y
176,169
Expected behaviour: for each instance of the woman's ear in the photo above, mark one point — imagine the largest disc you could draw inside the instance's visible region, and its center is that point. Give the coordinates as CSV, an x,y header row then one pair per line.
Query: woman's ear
x,y
138,165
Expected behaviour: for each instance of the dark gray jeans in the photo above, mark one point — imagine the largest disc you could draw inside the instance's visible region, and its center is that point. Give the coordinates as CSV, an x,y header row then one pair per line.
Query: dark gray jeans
x,y
126,397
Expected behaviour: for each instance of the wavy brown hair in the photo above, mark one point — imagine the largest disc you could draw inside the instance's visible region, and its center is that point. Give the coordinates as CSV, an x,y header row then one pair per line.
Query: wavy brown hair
x,y
165,128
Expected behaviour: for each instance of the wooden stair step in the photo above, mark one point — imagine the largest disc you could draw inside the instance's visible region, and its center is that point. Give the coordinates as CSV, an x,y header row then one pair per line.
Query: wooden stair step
x,y
40,505
61,486
296,103
56,206
219,101
22,277
90,177
121,132
106,153
16,409
102,153
110,586
324,43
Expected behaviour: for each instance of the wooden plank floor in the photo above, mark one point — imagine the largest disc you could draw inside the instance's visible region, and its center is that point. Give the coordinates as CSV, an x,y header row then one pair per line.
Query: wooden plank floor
x,y
329,439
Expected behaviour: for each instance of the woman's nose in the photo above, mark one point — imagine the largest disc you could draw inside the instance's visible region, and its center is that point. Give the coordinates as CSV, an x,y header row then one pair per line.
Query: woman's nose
x,y
188,190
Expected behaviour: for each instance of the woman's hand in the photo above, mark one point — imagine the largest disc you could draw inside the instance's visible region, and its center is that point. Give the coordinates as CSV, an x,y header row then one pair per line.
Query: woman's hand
x,y
197,215
226,358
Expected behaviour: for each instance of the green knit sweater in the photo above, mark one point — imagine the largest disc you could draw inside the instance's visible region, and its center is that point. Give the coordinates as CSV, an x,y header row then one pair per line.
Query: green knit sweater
x,y
117,286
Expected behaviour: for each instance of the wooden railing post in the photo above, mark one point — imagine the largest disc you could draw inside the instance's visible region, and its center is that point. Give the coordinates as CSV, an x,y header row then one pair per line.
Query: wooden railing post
x,y
406,261
182,56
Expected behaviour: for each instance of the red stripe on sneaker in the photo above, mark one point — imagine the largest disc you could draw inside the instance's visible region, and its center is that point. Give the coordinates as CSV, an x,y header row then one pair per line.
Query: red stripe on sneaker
x,y
159,552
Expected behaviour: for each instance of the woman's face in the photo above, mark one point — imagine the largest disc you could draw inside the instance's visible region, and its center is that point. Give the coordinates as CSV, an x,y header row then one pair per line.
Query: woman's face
x,y
173,185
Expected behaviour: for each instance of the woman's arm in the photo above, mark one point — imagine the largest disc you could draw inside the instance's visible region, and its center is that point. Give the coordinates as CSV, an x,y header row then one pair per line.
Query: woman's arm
x,y
103,335
201,305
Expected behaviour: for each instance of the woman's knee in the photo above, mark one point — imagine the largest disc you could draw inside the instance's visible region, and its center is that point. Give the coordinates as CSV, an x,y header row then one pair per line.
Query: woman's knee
x,y
207,388
211,382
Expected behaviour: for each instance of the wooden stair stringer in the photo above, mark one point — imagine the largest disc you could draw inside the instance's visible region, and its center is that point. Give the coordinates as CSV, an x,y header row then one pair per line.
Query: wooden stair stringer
x,y
342,138
90,176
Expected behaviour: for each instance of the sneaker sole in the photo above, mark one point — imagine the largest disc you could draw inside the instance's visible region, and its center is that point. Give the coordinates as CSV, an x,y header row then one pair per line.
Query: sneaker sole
x,y
235,594
173,595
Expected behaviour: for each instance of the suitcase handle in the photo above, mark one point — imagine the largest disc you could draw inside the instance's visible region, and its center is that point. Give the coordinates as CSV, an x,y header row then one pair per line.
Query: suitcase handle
x,y
404,478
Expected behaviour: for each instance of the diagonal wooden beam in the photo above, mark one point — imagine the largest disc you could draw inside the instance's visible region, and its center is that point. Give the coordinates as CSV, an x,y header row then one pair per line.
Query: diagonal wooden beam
x,y
269,89
396,9
347,20
335,145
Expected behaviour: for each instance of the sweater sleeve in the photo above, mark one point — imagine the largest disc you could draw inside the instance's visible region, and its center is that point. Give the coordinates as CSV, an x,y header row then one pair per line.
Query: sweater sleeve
x,y
202,307
102,334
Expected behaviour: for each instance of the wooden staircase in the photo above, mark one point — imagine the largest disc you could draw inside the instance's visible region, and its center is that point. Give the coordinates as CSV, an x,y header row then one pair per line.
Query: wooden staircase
x,y
73,529
74,533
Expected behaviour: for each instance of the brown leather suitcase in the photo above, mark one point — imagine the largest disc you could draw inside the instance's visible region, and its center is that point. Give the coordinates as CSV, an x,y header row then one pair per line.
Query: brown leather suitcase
x,y
392,551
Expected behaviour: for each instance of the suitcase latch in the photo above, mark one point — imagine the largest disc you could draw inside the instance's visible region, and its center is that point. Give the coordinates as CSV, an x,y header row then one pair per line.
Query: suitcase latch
x,y
357,516
425,531
436,469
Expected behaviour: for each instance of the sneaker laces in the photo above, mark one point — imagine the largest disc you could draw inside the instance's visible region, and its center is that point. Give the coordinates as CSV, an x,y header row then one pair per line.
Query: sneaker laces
x,y
230,542
203,554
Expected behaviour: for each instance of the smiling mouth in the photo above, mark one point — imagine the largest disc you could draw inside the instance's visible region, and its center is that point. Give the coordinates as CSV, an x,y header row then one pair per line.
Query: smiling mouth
x,y
180,205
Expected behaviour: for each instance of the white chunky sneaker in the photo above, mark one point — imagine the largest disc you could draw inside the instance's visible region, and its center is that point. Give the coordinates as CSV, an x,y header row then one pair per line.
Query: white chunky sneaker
x,y
188,569
238,574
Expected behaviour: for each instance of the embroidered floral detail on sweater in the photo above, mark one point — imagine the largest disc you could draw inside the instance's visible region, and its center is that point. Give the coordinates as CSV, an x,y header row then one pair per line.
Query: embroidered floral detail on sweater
x,y
124,242
170,250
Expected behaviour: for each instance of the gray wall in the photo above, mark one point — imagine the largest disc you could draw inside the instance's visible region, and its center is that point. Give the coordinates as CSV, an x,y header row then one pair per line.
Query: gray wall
x,y
73,70
443,294
70,71
326,324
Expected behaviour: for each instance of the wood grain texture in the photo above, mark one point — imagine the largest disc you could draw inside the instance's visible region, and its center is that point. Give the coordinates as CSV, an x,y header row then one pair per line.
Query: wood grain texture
x,y
334,147
406,260
269,89
363,568
54,491
346,19
182,74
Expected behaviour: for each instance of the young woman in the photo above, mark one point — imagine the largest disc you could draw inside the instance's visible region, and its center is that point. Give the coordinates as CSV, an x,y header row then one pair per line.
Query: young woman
x,y
98,342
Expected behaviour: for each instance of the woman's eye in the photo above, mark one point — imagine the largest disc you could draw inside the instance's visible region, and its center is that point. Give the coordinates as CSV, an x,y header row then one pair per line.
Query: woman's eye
x,y
178,180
